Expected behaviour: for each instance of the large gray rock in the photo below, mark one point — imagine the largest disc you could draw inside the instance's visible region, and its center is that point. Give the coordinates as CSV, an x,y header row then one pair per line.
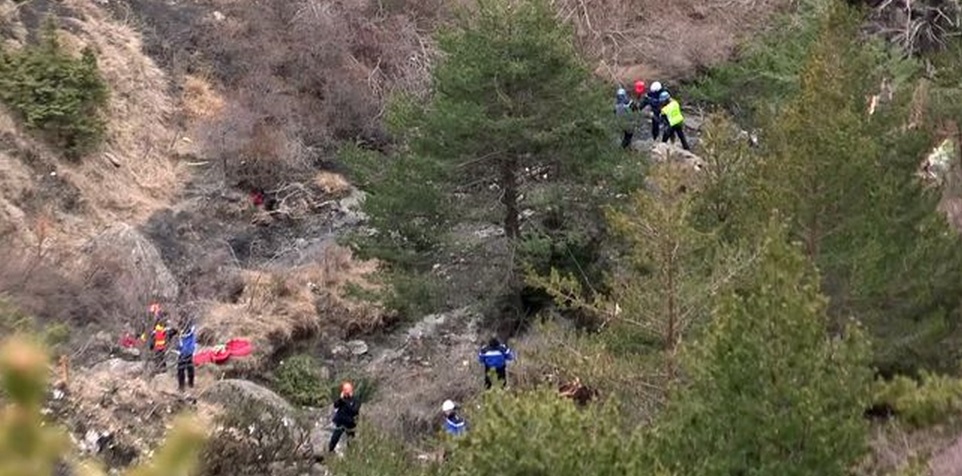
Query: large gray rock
x,y
233,392
119,368
138,260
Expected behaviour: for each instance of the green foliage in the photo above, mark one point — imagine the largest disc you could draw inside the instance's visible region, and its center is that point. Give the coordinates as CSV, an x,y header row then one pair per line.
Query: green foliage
x,y
54,93
513,106
403,204
846,182
375,453
605,360
298,379
538,433
30,446
929,400
770,393
766,71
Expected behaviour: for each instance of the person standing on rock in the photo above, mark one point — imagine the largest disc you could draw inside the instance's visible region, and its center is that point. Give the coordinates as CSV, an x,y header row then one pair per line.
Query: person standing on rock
x,y
346,410
185,361
454,424
157,341
673,119
653,100
623,113
495,357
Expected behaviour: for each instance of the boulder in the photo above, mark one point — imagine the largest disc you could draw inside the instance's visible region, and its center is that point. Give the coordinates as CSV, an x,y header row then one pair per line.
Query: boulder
x,y
354,347
137,258
663,151
231,392
119,368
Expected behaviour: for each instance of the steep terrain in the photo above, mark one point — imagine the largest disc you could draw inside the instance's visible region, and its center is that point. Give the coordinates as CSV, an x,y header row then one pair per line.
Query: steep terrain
x,y
215,100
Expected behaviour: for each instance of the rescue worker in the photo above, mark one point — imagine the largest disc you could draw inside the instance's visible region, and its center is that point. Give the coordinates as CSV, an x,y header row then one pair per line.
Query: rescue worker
x,y
495,357
454,424
623,112
674,120
185,361
157,343
652,99
640,89
346,410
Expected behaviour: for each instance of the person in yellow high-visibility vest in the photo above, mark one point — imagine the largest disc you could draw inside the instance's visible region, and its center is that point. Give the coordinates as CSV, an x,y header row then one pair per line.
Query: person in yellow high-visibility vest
x,y
673,119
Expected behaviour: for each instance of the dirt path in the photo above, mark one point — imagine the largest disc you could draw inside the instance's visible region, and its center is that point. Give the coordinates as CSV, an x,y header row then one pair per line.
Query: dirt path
x,y
948,462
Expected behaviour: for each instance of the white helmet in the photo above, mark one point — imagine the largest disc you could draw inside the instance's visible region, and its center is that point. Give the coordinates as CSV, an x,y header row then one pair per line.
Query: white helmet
x,y
655,87
447,406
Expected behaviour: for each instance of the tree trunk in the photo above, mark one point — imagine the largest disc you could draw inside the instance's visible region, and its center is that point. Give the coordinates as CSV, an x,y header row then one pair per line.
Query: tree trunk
x,y
509,183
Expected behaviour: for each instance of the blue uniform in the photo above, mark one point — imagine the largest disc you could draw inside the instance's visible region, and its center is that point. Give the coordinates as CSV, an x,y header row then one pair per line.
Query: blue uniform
x,y
495,357
185,362
454,424
651,99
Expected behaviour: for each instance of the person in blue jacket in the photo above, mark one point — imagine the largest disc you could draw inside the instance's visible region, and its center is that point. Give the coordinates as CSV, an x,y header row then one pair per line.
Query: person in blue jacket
x,y
495,356
185,361
454,424
653,99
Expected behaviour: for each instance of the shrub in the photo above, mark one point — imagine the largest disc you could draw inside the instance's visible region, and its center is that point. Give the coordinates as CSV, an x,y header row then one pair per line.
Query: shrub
x,y
929,400
55,93
299,380
374,453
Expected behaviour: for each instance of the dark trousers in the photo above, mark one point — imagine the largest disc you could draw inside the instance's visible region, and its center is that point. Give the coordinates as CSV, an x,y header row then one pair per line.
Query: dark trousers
x,y
501,374
185,368
160,360
336,435
626,139
655,125
679,131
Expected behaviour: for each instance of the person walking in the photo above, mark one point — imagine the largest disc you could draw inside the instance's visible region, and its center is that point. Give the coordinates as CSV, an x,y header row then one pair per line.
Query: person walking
x,y
673,119
346,410
495,357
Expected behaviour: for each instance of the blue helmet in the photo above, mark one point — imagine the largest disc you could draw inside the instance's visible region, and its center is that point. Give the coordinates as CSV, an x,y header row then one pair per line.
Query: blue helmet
x,y
664,96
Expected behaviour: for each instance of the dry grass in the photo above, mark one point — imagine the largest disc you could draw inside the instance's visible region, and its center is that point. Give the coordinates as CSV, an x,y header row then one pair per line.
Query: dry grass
x,y
279,306
138,140
140,136
656,40
199,100
332,184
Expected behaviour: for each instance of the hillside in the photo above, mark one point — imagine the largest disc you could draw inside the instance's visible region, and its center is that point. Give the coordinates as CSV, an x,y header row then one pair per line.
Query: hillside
x,y
264,174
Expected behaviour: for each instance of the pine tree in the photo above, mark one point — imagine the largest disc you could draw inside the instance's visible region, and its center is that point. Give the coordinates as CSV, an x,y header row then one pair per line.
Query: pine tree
x,y
770,392
845,181
511,96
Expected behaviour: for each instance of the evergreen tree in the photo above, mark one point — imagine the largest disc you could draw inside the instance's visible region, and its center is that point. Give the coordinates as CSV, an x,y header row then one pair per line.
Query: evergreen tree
x,y
846,182
770,392
511,96
515,123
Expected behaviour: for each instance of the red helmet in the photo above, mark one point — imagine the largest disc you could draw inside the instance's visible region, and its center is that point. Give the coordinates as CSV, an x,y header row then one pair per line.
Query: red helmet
x,y
639,87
